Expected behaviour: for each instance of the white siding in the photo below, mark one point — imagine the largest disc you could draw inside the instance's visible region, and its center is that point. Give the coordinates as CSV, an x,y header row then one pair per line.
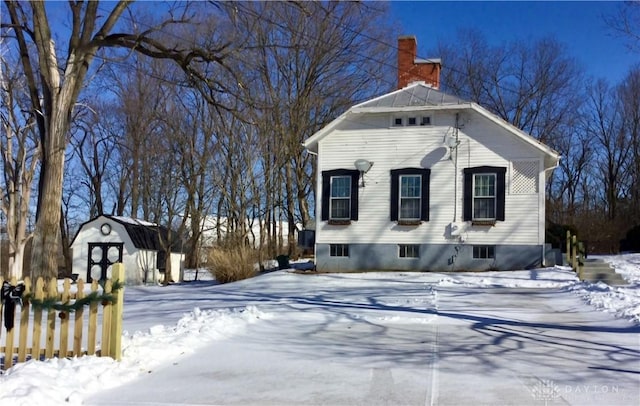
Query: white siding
x,y
481,143
145,264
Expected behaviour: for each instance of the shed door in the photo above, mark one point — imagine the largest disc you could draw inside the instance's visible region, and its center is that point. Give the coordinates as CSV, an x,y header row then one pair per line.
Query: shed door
x,y
101,256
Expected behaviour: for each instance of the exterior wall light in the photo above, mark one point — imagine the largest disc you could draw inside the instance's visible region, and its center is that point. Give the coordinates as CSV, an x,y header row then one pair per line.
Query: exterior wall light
x,y
363,166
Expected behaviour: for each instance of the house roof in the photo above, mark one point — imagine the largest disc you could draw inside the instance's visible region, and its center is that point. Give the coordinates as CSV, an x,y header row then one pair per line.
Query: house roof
x,y
417,94
421,97
143,234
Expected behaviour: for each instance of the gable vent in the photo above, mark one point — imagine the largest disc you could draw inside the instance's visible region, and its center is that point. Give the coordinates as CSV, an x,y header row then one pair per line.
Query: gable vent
x,y
525,177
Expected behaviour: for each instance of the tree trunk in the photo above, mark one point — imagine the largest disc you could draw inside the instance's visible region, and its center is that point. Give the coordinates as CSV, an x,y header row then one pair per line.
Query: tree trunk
x,y
167,270
196,224
16,259
291,207
44,254
66,246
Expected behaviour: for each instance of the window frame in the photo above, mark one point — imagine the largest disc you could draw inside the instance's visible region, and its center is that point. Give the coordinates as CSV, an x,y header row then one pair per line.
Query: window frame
x,y
484,252
405,120
408,251
425,120
493,197
325,203
339,250
468,193
400,197
332,198
395,194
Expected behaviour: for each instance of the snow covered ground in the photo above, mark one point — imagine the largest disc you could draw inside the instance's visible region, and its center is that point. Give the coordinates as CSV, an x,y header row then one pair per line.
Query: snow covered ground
x,y
526,337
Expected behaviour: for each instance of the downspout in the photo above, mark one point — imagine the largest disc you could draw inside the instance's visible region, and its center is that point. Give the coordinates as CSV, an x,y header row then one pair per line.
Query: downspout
x,y
315,245
455,172
547,173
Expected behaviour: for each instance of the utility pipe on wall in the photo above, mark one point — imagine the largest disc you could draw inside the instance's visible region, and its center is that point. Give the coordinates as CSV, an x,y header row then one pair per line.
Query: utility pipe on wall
x,y
455,171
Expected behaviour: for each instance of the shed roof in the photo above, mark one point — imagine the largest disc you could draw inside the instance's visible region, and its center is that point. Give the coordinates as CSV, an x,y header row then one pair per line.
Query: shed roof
x,y
143,234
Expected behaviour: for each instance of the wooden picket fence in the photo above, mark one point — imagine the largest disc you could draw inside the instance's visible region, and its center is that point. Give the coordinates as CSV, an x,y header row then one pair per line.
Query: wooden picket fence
x,y
83,328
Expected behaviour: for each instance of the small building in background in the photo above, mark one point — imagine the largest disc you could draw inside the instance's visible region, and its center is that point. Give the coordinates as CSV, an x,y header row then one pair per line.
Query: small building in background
x,y
106,240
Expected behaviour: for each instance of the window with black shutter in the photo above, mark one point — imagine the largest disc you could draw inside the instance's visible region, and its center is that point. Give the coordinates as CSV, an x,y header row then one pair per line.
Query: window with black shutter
x,y
340,196
410,195
484,194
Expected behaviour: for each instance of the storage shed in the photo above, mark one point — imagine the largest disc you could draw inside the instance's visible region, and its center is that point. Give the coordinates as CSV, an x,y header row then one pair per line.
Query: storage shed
x,y
106,240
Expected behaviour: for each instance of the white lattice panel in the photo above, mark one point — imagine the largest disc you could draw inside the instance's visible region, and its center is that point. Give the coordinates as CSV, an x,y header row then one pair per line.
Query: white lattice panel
x,y
525,177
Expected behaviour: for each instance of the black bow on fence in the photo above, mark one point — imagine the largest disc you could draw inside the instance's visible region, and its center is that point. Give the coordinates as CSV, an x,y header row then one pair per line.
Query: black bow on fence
x,y
9,296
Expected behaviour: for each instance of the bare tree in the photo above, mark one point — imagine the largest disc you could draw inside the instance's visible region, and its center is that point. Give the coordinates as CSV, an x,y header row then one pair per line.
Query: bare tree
x,y
196,148
93,143
534,86
310,62
626,22
565,189
20,155
138,90
63,72
235,170
192,145
629,94
608,131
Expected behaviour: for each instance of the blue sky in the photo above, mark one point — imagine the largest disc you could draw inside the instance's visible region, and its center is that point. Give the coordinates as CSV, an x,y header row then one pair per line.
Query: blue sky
x,y
578,25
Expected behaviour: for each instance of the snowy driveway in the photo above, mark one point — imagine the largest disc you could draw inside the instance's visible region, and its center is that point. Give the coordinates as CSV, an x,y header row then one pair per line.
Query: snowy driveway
x,y
375,339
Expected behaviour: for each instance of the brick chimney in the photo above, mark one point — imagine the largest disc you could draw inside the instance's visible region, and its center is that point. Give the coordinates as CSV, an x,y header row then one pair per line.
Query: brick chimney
x,y
412,69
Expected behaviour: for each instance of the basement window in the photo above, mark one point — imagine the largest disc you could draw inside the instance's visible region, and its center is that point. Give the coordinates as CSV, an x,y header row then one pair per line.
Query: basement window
x,y
425,120
484,252
409,251
339,250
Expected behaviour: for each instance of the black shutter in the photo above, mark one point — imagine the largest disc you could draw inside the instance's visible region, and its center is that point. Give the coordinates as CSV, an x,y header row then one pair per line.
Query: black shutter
x,y
394,195
500,192
355,178
424,214
467,205
326,190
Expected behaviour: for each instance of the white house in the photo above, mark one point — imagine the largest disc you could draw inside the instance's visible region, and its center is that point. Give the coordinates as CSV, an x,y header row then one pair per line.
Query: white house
x,y
420,180
211,226
106,240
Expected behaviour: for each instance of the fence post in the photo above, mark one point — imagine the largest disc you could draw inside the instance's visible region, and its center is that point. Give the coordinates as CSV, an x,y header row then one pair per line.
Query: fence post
x,y
574,252
93,321
580,259
38,294
568,254
117,274
63,347
77,329
52,293
24,322
105,345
